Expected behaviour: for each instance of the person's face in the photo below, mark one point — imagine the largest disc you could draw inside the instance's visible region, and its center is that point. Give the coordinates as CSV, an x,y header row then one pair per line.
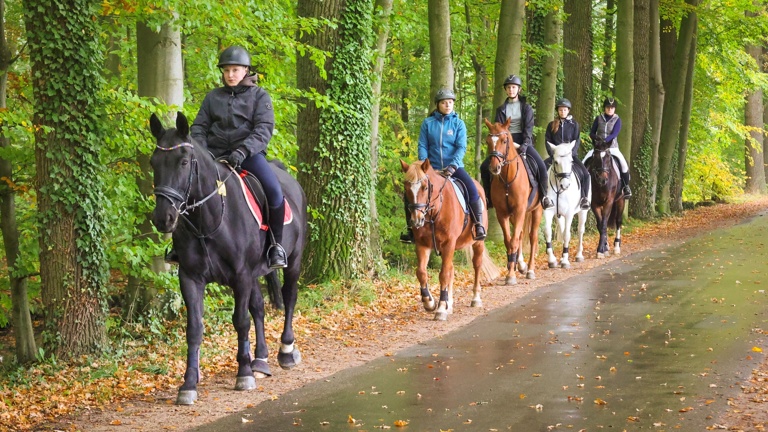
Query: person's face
x,y
609,110
233,74
563,111
445,106
513,90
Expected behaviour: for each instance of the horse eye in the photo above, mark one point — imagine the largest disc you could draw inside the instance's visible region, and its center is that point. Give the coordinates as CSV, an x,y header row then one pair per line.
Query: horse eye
x,y
184,162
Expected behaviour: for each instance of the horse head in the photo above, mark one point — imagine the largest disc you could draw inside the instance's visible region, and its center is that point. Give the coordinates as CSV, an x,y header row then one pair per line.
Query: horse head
x,y
418,190
599,167
562,163
599,144
499,148
174,165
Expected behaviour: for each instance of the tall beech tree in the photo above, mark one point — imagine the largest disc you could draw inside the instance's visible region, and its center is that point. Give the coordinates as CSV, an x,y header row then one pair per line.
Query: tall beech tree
x,y
63,49
508,45
440,52
577,60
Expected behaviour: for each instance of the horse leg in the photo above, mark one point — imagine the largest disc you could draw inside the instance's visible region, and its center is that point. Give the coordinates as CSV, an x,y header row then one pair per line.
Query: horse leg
x,y
511,279
478,249
192,292
422,258
601,228
565,262
445,305
551,259
258,365
289,355
581,228
619,220
533,237
243,293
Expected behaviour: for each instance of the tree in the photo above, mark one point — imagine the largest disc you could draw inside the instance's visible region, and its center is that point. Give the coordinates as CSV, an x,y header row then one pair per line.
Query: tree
x,y
548,88
440,52
335,142
63,44
625,73
23,332
640,128
673,108
508,45
754,142
577,59
608,33
481,90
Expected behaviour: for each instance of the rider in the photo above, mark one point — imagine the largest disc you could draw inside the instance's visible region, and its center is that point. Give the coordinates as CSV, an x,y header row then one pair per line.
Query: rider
x,y
562,130
607,127
443,140
236,122
521,128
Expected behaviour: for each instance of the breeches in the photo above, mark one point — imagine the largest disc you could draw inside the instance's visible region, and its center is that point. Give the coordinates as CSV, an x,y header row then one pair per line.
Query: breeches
x,y
467,180
258,166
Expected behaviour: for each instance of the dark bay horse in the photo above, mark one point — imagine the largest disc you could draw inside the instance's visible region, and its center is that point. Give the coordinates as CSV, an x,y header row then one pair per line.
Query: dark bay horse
x,y
607,198
200,201
510,193
439,223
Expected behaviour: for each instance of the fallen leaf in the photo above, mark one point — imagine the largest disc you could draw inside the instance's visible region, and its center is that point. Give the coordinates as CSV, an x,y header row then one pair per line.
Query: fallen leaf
x,y
401,423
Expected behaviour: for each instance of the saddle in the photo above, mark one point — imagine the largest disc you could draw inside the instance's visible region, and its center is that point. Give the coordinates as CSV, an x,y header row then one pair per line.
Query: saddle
x,y
532,170
253,191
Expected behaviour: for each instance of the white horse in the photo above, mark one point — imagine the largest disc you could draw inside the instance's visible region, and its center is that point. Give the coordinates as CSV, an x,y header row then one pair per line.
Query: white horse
x,y
564,190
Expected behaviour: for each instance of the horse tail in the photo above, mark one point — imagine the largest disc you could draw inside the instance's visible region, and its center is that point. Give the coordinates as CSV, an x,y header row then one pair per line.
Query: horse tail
x,y
274,288
488,270
527,226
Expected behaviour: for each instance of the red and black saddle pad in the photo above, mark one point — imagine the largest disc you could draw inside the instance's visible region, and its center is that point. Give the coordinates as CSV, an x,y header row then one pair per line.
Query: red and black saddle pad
x,y
256,198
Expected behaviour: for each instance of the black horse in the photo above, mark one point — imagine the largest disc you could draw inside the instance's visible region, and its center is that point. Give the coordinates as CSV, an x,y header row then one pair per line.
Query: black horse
x,y
607,198
199,200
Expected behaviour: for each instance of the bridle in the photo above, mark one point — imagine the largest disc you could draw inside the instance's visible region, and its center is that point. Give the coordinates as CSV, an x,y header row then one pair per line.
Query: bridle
x,y
502,157
603,169
558,177
429,207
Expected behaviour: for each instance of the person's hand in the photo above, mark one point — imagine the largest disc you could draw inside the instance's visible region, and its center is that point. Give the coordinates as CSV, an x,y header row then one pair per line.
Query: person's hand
x,y
236,158
449,170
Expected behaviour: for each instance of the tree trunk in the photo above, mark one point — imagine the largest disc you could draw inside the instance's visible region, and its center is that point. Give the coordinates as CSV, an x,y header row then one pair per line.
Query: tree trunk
x,y
765,116
673,107
547,91
336,166
508,46
577,59
639,179
440,53
21,320
160,75
383,9
677,192
64,43
608,32
625,74
481,94
754,143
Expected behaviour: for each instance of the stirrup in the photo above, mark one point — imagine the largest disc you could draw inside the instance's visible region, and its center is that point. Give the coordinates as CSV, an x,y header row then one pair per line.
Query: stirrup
x,y
547,203
627,191
584,203
407,236
480,233
276,257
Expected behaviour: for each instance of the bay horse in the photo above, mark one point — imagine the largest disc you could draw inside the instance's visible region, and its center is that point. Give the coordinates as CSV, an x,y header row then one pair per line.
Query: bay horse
x,y
564,189
514,198
607,198
218,239
439,223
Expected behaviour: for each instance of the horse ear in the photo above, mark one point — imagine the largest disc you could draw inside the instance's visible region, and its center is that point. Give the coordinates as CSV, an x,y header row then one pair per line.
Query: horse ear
x,y
487,123
506,123
182,125
156,126
425,165
404,165
551,147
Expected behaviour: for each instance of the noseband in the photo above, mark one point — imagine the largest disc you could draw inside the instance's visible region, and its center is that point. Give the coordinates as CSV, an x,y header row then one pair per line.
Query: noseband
x,y
424,208
502,157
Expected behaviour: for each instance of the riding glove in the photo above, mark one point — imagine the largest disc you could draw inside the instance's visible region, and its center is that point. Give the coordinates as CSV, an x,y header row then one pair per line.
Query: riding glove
x,y
236,158
449,170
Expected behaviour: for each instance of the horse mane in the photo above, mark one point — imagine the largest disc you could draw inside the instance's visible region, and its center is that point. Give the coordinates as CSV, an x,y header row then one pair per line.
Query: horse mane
x,y
414,173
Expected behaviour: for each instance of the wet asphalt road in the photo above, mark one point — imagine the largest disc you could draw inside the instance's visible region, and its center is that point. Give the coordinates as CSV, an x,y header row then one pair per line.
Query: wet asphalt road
x,y
658,341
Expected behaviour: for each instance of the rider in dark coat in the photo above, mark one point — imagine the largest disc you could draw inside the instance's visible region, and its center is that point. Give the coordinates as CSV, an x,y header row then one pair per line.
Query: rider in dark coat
x,y
563,130
236,121
521,128
607,127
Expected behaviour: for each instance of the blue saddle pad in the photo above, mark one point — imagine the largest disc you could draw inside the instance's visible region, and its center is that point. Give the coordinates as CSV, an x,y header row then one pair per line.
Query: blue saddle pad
x,y
460,190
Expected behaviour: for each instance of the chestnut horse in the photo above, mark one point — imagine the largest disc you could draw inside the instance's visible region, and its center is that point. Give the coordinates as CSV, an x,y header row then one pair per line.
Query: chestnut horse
x,y
607,198
510,193
439,223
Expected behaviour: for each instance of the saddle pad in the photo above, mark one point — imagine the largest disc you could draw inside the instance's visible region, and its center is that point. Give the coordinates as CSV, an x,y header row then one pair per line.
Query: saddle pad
x,y
459,193
254,205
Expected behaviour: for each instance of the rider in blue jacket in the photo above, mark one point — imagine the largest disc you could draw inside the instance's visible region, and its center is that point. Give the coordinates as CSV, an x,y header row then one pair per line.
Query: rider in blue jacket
x,y
443,140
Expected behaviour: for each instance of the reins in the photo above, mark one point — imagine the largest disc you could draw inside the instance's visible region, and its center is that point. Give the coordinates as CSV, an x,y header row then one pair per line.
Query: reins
x,y
505,162
428,209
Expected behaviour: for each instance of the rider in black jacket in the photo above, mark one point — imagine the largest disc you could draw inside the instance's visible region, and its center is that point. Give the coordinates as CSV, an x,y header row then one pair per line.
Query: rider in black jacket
x,y
563,130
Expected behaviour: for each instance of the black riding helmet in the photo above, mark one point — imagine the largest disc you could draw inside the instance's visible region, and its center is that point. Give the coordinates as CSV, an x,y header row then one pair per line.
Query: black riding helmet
x,y
512,79
609,102
563,102
234,55
444,93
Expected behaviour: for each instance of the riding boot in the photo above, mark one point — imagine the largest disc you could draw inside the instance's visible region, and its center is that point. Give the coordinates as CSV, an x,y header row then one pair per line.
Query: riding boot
x,y
276,257
407,236
171,256
584,203
476,212
625,180
485,176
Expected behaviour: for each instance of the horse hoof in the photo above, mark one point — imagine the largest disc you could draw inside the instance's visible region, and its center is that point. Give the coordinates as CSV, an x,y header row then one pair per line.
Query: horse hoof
x,y
260,369
477,303
511,280
441,316
530,275
565,265
553,264
600,255
522,267
186,397
245,383
579,259
289,360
